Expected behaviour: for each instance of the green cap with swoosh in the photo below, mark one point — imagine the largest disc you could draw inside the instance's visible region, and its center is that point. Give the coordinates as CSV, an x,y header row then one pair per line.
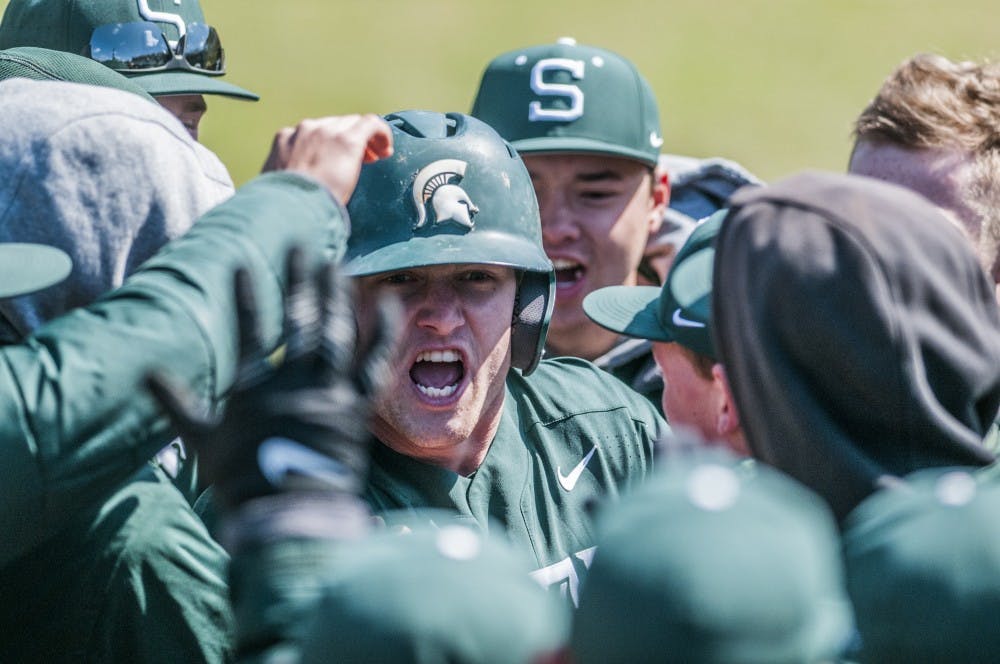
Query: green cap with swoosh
x,y
680,311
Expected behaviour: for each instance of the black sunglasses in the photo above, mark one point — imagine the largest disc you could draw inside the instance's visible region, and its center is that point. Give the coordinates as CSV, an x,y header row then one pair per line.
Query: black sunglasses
x,y
141,46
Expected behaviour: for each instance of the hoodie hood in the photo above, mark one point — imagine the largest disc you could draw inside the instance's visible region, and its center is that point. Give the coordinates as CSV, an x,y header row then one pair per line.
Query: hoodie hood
x,y
859,334
104,175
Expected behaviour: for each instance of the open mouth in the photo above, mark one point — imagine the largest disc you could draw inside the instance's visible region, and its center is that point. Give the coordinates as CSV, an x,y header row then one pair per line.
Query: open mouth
x,y
438,373
568,273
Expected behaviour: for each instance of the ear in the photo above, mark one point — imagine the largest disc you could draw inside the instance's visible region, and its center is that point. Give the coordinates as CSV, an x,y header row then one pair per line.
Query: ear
x,y
660,199
727,419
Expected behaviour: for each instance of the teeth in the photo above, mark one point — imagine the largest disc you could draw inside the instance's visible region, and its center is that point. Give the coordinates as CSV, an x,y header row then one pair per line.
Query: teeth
x,y
439,356
446,391
564,264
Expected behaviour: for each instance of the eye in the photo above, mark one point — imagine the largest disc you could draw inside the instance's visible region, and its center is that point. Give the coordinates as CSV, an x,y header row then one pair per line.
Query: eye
x,y
398,279
478,276
598,195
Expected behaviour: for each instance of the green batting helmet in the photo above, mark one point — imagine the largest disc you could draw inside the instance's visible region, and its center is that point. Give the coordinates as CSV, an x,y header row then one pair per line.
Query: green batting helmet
x,y
454,192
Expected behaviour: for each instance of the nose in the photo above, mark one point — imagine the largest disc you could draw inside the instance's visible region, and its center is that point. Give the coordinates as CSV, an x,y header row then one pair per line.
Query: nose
x,y
439,310
558,221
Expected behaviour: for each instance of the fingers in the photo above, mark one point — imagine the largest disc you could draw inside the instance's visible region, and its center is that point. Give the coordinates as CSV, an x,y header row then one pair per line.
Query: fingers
x,y
379,139
302,312
374,370
277,159
339,328
180,407
332,149
247,316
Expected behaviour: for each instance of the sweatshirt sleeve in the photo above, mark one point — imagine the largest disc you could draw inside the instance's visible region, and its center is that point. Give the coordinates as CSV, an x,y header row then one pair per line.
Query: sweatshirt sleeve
x,y
75,419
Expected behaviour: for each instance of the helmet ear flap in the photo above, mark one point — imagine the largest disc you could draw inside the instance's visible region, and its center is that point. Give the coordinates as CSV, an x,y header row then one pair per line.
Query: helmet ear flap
x,y
532,311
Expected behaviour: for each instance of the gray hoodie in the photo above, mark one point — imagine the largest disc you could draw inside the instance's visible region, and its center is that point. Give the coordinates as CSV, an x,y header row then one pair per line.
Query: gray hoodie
x,y
860,336
67,180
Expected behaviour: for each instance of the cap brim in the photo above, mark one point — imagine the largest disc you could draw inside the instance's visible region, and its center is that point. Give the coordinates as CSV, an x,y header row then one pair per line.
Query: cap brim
x,y
573,144
188,83
25,268
628,310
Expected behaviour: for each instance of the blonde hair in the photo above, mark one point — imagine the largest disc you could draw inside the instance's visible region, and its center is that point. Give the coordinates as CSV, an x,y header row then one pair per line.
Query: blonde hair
x,y
931,102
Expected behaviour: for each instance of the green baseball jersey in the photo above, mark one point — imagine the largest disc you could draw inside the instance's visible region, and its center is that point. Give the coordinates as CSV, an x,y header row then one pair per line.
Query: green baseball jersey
x,y
569,435
631,361
72,425
135,579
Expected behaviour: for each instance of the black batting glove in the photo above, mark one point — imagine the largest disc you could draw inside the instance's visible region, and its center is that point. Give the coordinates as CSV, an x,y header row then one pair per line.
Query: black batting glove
x,y
298,424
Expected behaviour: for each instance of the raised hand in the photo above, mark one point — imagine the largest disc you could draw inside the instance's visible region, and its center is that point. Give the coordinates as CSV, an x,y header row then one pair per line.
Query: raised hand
x,y
331,149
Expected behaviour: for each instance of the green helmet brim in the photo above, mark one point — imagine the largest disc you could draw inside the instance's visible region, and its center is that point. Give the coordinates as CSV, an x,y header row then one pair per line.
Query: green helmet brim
x,y
487,248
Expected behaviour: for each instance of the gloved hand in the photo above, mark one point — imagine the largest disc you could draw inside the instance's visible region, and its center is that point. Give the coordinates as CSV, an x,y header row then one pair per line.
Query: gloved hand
x,y
299,424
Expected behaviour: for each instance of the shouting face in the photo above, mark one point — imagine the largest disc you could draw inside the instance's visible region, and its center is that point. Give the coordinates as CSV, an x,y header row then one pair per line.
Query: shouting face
x,y
597,214
445,399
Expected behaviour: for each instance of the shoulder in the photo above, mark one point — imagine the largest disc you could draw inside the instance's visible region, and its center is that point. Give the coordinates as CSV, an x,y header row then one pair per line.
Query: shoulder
x,y
569,387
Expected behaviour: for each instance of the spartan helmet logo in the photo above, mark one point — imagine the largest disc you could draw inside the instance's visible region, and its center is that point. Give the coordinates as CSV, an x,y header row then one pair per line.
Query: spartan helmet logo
x,y
438,183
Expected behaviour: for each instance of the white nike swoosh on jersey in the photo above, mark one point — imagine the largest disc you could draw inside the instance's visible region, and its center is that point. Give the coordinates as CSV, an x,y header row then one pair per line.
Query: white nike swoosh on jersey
x,y
680,321
568,482
277,457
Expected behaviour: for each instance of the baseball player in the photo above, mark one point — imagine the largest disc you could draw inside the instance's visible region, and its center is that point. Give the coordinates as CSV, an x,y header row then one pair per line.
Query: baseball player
x,y
164,45
587,125
472,422
677,320
933,128
107,563
860,336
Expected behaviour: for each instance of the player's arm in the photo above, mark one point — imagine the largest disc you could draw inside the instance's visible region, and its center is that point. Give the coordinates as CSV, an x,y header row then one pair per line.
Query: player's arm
x,y
288,456
74,421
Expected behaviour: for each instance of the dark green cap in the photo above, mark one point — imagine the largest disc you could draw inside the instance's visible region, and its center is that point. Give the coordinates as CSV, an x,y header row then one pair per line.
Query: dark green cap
x,y
42,64
680,311
450,594
565,97
25,268
67,25
923,569
714,560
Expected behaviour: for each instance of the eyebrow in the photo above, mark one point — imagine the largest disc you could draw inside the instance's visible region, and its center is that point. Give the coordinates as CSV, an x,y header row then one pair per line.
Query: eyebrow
x,y
600,176
594,176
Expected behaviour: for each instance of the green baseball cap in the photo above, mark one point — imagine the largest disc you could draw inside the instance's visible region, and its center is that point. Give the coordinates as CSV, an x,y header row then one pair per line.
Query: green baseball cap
x,y
448,594
923,569
25,267
67,25
43,64
714,560
565,97
678,312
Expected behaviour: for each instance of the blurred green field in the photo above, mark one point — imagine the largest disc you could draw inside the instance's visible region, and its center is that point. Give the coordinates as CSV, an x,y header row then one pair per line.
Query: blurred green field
x,y
773,84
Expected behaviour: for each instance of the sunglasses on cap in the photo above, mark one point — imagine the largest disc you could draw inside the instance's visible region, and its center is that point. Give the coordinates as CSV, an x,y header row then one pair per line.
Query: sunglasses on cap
x,y
141,46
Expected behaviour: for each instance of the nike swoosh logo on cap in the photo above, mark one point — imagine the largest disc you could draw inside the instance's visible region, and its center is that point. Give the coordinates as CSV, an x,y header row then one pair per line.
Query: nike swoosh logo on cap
x,y
277,457
680,321
655,139
568,482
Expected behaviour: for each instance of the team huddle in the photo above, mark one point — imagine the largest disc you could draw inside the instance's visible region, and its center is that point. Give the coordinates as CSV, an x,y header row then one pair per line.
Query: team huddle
x,y
513,385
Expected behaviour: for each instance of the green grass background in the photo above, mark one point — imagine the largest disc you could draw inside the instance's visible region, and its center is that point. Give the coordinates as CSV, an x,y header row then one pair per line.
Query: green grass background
x,y
773,84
